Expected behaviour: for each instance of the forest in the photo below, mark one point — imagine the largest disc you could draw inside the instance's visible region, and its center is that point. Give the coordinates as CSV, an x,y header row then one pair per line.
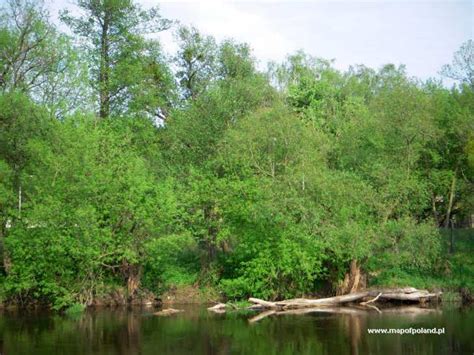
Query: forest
x,y
126,171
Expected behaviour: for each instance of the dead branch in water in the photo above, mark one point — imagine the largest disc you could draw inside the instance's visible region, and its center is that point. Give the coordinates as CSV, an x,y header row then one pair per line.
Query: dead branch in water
x,y
372,300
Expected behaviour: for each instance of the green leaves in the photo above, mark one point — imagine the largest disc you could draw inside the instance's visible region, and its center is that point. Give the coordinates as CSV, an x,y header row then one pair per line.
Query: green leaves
x,y
196,60
38,60
89,206
127,72
461,69
216,175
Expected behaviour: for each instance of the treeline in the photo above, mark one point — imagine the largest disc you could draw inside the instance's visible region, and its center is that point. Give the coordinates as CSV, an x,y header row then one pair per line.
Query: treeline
x,y
125,169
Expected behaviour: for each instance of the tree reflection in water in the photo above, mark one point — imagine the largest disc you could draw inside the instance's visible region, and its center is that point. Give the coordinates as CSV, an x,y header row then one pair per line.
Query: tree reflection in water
x,y
197,331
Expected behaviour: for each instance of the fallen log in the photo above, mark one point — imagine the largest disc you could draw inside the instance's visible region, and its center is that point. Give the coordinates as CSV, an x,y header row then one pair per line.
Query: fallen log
x,y
331,301
401,294
256,307
217,307
265,304
219,311
419,296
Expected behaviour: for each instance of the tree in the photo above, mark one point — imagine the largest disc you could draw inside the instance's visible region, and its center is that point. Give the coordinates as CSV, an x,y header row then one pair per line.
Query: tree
x,y
90,207
296,68
462,67
196,60
275,185
235,61
113,35
153,91
27,42
20,122
38,60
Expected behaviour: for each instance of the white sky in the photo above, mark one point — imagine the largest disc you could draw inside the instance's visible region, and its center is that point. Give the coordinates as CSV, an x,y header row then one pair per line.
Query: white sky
x,y
421,34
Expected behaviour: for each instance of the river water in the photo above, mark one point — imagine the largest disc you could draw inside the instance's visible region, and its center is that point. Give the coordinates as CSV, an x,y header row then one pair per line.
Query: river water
x,y
198,331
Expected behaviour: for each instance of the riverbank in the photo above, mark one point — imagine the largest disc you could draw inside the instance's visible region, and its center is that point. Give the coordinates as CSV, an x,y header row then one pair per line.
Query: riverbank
x,y
454,279
449,291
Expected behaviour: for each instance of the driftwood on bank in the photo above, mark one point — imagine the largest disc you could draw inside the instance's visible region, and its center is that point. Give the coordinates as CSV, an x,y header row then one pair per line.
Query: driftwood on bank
x,y
360,303
402,294
337,305
218,308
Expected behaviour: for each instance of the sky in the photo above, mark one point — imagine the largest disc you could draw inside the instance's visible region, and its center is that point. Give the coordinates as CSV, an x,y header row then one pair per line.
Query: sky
x,y
421,34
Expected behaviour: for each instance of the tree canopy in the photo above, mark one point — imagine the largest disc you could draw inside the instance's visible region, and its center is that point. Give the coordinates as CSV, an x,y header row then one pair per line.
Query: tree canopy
x,y
127,171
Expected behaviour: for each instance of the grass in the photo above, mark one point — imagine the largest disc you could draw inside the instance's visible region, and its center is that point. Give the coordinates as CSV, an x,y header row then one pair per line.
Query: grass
x,y
456,272
239,304
75,310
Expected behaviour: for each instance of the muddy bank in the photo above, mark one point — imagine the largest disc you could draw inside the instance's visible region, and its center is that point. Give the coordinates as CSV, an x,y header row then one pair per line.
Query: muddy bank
x,y
190,294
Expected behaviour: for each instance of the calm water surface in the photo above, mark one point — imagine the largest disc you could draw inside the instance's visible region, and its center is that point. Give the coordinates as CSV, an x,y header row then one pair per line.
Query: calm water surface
x,y
197,331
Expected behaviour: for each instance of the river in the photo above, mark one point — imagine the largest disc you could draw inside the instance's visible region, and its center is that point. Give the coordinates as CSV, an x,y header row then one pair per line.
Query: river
x,y
198,331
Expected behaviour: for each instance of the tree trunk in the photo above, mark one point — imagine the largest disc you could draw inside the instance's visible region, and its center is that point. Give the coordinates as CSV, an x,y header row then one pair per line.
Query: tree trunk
x,y
132,273
263,303
355,276
133,281
433,209
450,202
104,94
7,263
352,279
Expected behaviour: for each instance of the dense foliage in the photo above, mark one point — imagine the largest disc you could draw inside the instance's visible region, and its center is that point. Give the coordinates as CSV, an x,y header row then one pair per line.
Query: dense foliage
x,y
122,168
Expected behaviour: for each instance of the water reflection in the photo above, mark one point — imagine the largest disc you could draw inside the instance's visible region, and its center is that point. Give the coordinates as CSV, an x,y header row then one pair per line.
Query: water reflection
x,y
197,331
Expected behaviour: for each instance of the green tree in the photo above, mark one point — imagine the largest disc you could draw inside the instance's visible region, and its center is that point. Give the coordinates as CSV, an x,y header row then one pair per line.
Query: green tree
x,y
113,35
235,61
462,67
38,60
90,208
196,60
